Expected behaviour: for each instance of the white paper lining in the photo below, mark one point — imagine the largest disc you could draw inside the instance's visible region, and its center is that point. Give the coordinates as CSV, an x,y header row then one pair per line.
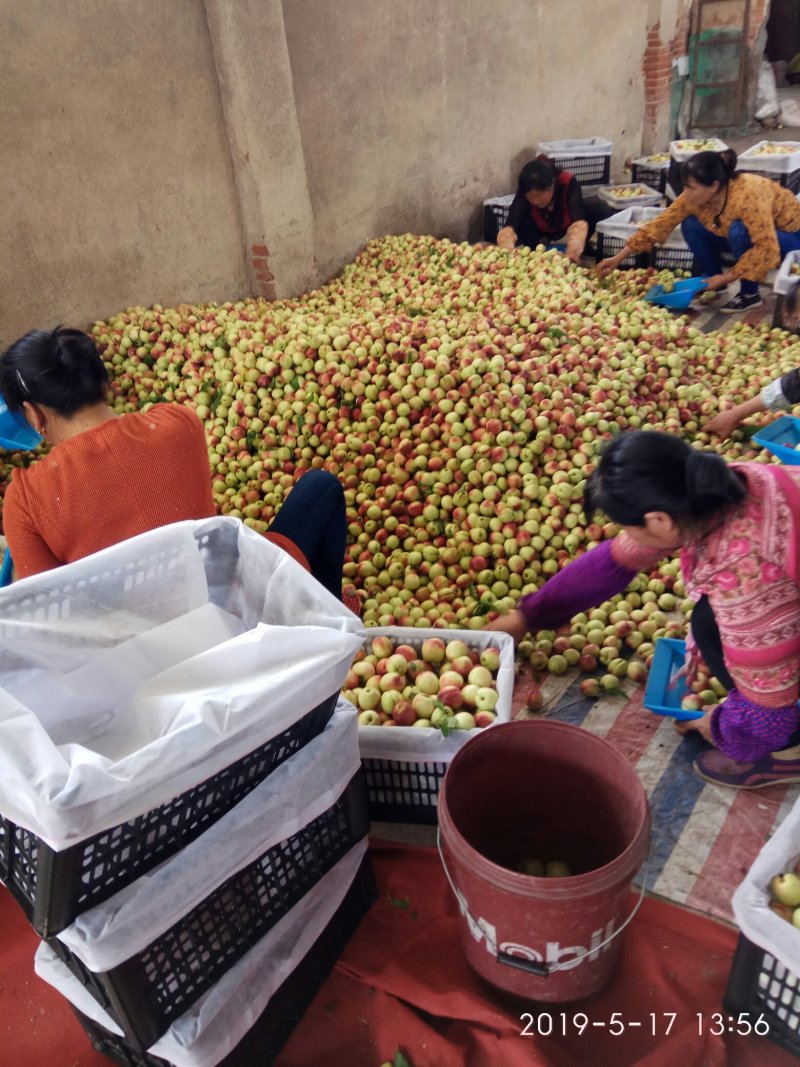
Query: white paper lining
x,y
109,753
219,1020
297,792
751,900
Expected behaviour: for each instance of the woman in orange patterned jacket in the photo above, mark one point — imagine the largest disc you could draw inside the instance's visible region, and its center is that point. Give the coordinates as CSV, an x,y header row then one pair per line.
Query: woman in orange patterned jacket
x,y
752,218
737,528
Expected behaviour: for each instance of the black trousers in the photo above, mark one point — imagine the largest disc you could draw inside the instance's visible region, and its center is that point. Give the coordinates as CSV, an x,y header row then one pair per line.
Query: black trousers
x,y
706,634
531,235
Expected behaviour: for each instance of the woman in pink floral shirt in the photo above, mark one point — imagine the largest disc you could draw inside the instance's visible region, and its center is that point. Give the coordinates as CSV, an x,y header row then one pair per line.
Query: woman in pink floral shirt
x,y
737,528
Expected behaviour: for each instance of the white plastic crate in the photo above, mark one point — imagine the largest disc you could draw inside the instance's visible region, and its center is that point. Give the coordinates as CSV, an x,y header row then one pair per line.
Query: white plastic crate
x,y
588,158
783,168
613,233
785,281
756,158
634,194
404,766
690,146
657,161
766,973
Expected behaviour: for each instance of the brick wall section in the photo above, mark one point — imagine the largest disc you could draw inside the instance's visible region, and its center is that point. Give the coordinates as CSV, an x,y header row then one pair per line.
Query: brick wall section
x,y
758,13
657,74
264,279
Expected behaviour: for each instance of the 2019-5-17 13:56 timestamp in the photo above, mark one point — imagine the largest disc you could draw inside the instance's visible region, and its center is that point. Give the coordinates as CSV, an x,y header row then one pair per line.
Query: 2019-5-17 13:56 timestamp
x,y
656,1023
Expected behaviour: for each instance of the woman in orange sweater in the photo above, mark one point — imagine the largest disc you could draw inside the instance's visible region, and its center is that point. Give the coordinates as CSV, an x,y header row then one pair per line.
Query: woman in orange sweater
x,y
109,477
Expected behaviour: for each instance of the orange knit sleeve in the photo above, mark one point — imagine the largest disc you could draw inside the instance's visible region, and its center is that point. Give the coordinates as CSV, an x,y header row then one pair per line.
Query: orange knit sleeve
x,y
29,550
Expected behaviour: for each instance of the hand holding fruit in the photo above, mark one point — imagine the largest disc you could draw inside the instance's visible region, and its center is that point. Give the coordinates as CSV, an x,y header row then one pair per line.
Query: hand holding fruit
x,y
724,423
506,238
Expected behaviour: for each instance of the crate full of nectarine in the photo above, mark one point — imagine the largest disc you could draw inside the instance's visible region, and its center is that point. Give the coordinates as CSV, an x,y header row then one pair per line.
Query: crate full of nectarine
x,y
764,982
421,694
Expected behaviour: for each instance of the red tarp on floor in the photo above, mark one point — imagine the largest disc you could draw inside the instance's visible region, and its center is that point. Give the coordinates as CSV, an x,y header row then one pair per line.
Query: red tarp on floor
x,y
403,984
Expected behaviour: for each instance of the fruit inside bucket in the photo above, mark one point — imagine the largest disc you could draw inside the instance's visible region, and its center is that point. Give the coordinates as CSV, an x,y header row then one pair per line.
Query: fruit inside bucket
x,y
548,810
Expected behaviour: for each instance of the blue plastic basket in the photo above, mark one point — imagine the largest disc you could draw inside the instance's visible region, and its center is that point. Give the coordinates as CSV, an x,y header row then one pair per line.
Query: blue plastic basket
x,y
781,438
6,569
681,296
15,433
664,693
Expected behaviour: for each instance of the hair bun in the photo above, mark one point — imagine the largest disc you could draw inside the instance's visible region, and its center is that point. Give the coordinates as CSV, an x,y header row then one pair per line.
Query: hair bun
x,y
708,477
729,159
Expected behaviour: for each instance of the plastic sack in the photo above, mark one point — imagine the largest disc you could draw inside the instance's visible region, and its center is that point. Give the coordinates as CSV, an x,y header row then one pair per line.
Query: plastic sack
x,y
134,674
430,745
300,790
767,105
219,1020
751,900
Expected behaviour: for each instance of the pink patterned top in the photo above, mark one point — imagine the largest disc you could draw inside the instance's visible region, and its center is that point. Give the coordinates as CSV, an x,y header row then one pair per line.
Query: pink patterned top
x,y
748,570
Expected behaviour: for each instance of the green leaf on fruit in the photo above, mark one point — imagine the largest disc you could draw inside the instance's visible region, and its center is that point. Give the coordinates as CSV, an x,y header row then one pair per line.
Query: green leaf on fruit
x,y
295,382
216,400
555,333
483,608
252,440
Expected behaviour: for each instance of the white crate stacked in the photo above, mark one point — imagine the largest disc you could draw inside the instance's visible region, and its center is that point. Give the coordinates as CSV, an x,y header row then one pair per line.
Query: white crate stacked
x,y
193,783
777,160
684,149
764,984
634,194
613,234
588,158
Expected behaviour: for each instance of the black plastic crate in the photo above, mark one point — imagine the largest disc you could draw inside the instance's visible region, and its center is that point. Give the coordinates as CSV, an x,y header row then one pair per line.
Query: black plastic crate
x,y
495,217
589,170
655,177
608,246
403,792
790,180
263,1042
760,985
147,992
666,258
53,888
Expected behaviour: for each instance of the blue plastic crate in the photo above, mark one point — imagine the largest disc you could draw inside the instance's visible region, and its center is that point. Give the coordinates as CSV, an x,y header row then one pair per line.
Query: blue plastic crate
x,y
681,296
781,438
664,693
15,433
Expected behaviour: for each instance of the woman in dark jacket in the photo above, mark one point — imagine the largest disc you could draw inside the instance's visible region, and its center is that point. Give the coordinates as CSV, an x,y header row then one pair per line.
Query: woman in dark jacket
x,y
550,206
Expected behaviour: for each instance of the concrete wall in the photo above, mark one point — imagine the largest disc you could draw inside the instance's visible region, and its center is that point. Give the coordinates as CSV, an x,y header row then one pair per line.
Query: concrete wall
x,y
205,149
116,182
411,113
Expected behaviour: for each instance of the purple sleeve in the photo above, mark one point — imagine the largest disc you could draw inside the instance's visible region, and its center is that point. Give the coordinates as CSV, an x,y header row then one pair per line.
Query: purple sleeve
x,y
587,581
746,731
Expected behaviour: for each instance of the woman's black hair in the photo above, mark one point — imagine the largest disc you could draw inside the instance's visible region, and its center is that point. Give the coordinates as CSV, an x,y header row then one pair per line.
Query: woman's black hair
x,y
705,168
539,175
645,470
59,369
